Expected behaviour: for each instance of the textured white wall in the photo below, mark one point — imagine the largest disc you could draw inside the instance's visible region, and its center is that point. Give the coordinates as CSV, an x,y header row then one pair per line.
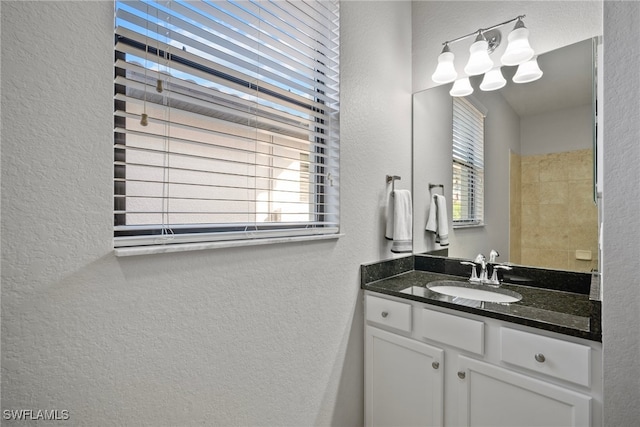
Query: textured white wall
x,y
557,131
245,336
432,118
432,135
621,282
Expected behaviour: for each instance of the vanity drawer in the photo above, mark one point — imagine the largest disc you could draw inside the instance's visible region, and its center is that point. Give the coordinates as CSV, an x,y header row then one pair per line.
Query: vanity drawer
x,y
456,331
561,359
389,313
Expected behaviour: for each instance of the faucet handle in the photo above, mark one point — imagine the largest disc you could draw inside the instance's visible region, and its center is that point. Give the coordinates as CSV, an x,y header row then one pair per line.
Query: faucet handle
x,y
480,259
494,276
493,255
474,275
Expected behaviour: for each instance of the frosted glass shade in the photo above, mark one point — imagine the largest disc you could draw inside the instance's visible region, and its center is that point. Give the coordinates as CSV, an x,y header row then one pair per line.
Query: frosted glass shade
x,y
528,72
445,71
461,87
479,61
518,50
493,80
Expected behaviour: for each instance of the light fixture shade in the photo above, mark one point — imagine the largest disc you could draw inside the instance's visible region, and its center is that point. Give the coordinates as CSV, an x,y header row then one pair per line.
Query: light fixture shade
x,y
493,80
479,61
461,87
518,50
445,71
528,72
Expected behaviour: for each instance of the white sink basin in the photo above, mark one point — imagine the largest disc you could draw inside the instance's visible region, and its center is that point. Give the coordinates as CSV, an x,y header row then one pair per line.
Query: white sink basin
x,y
473,292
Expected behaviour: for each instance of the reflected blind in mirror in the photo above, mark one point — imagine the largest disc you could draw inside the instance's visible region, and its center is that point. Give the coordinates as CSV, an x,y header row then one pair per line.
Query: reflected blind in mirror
x,y
226,120
468,164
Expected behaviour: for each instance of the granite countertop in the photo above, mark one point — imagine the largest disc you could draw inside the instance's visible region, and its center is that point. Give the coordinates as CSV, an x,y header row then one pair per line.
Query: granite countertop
x,y
565,306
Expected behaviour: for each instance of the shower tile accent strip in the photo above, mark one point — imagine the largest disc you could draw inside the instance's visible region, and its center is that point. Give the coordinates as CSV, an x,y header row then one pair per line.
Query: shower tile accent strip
x,y
559,301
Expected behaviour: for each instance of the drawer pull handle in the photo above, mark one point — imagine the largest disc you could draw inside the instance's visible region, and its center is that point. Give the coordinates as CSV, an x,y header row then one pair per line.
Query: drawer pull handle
x,y
385,314
461,375
540,357
435,365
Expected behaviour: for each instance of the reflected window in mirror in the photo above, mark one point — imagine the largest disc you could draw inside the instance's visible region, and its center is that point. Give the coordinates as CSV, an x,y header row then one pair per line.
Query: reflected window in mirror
x,y
468,163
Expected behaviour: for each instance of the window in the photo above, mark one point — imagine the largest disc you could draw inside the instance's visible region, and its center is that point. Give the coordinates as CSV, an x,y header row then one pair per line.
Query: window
x,y
226,121
468,163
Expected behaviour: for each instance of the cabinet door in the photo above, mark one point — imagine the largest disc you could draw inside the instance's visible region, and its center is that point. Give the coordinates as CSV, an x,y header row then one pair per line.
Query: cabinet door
x,y
403,381
494,396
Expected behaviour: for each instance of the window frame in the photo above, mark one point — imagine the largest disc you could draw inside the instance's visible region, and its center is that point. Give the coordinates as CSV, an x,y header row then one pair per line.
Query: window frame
x,y
129,239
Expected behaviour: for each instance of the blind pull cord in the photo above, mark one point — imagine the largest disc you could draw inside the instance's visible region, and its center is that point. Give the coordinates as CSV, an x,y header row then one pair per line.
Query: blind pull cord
x,y
144,118
167,234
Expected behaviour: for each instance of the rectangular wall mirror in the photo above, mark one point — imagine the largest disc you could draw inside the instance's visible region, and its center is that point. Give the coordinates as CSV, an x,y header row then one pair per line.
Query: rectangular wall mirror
x,y
539,174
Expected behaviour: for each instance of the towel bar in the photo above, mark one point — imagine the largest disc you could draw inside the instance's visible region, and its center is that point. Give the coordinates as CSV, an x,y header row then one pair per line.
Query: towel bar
x,y
392,179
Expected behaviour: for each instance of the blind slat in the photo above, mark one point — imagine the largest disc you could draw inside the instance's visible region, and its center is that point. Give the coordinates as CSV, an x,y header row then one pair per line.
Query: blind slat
x,y
241,32
301,110
288,19
237,122
185,61
258,146
294,230
190,36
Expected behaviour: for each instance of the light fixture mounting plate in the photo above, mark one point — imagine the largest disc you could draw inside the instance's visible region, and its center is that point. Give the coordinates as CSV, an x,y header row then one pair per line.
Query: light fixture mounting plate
x,y
493,37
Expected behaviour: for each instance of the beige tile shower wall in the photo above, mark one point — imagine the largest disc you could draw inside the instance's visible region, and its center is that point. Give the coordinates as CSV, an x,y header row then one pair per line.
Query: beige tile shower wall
x,y
515,211
558,215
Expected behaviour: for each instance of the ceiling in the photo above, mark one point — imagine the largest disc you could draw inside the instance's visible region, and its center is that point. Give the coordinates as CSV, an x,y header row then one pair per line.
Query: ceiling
x,y
566,81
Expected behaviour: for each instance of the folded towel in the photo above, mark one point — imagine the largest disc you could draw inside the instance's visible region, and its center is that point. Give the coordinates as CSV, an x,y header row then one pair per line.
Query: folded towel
x,y
388,232
432,221
399,221
438,220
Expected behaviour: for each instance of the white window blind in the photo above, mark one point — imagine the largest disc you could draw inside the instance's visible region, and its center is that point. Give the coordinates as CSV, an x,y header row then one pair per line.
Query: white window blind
x,y
226,120
468,164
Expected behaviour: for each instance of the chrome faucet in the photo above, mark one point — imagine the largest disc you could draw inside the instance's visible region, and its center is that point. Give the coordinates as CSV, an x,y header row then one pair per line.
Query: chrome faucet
x,y
483,277
480,259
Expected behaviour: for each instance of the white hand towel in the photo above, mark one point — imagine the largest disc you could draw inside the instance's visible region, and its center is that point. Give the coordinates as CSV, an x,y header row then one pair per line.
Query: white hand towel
x,y
442,236
388,233
438,220
432,222
399,216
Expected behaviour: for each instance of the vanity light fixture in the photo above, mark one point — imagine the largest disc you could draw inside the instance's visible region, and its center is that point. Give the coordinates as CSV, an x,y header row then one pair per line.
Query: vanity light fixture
x,y
518,49
518,52
493,80
445,71
527,72
461,87
479,61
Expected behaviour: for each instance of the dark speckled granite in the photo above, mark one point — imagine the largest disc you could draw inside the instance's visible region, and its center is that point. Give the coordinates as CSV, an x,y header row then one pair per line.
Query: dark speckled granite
x,y
382,270
568,281
552,300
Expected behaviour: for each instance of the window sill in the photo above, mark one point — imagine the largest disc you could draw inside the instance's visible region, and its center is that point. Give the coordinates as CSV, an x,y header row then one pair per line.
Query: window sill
x,y
187,247
457,227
